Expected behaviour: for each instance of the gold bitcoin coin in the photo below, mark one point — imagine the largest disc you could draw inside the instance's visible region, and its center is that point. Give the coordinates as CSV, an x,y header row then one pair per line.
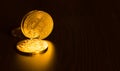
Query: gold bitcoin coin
x,y
37,24
32,46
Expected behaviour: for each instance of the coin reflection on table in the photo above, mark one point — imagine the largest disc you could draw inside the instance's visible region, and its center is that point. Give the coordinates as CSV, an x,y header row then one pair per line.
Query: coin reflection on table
x,y
38,62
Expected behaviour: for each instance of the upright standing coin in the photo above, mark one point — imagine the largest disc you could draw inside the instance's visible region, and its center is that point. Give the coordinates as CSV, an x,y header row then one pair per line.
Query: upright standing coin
x,y
37,24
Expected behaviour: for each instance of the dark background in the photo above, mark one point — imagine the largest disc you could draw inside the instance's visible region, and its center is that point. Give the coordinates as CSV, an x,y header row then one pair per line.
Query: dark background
x,y
86,33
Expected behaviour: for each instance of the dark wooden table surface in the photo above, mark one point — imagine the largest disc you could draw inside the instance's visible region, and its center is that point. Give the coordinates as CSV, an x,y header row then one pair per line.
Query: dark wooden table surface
x,y
86,36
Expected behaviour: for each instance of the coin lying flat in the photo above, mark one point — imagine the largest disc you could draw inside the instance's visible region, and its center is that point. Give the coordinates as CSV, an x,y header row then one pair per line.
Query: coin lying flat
x,y
37,24
32,46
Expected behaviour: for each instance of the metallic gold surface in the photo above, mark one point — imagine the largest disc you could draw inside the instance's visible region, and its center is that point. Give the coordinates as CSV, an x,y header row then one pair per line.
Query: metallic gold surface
x,y
37,24
32,46
38,62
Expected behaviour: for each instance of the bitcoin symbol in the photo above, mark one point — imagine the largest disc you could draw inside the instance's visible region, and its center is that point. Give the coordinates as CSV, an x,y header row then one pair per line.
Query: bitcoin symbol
x,y
37,24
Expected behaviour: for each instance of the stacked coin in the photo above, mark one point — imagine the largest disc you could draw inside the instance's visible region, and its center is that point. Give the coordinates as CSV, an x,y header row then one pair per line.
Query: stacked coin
x,y
36,25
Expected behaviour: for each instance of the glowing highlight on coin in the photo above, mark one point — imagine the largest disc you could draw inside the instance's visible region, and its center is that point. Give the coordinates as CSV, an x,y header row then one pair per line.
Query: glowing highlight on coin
x,y
37,24
32,46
